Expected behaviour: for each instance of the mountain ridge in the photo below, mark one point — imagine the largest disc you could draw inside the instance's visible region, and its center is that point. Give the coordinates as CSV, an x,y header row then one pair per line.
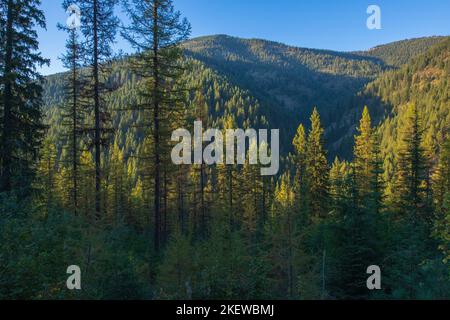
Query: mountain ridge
x,y
288,82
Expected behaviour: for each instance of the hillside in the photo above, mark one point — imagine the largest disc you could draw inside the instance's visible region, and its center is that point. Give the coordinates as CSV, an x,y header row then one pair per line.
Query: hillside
x,y
285,82
398,53
113,185
425,82
290,81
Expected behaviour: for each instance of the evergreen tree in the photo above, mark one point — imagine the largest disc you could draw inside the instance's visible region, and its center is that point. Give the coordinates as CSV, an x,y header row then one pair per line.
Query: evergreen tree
x,y
156,31
411,169
363,156
20,92
99,27
72,113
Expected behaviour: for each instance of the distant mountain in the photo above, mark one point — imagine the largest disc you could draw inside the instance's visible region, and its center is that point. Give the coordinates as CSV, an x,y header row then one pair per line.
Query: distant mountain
x,y
288,81
278,85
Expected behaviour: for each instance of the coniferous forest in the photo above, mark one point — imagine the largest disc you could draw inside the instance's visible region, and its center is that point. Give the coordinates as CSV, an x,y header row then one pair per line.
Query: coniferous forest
x,y
86,176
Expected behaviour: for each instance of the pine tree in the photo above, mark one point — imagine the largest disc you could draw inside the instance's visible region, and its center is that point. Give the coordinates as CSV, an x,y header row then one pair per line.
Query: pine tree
x,y
156,31
20,92
72,109
99,27
412,241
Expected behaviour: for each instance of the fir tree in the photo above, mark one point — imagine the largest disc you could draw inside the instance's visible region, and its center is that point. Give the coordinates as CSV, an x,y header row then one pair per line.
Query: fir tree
x,y
20,93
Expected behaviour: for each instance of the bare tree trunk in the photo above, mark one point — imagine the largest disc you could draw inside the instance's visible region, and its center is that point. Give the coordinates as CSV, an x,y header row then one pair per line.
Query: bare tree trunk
x,y
74,128
156,136
97,138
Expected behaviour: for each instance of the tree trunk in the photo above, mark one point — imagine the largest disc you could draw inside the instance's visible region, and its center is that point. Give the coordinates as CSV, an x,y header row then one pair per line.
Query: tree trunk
x,y
157,160
97,138
6,148
74,128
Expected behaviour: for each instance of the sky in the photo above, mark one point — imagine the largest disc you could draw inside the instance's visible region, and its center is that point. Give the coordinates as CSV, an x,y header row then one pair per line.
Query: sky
x,y
322,24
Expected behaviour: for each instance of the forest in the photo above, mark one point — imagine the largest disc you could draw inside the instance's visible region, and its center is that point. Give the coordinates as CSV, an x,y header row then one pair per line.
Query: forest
x,y
86,176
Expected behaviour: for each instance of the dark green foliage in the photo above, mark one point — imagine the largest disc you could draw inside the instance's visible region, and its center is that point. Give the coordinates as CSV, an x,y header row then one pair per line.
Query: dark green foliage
x,y
20,93
225,232
36,250
399,53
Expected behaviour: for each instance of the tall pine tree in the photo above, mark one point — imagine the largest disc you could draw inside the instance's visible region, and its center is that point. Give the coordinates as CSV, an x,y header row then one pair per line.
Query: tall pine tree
x,y
99,27
156,30
20,92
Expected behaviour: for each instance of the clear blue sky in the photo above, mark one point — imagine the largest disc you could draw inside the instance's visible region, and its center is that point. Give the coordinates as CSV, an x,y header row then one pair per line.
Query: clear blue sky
x,y
323,24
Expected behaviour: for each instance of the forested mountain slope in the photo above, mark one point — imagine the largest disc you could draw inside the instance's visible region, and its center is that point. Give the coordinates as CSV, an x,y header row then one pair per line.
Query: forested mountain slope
x,y
227,232
209,92
284,82
425,82
290,81
98,184
398,53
